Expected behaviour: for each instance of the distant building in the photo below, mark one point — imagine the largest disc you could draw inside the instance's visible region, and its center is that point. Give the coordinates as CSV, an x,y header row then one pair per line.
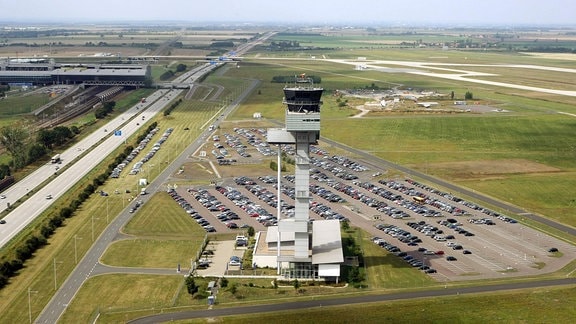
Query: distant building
x,y
45,72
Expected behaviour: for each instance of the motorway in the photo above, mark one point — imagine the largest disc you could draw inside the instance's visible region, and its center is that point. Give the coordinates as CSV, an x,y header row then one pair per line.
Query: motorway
x,y
77,161
57,305
87,265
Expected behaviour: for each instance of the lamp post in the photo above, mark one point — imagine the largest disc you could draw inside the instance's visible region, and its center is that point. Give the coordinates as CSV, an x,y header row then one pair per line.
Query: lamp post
x,y
30,304
93,227
55,282
76,249
107,209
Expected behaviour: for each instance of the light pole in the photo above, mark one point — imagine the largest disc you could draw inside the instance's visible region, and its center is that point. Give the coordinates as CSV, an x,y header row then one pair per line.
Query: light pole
x,y
93,227
76,249
30,304
55,283
107,209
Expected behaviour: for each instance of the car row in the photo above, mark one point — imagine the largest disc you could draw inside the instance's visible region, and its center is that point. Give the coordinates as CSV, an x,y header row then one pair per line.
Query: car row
x,y
187,206
132,155
137,205
408,258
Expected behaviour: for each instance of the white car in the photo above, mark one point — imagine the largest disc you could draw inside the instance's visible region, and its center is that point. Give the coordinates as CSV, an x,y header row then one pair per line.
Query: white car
x,y
234,263
48,196
2,197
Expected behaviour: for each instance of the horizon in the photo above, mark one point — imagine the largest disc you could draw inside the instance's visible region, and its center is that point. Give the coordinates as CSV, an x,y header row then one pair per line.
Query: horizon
x,y
295,12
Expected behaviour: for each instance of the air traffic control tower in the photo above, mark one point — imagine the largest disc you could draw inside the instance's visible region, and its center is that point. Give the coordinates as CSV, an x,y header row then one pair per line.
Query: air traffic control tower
x,y
302,100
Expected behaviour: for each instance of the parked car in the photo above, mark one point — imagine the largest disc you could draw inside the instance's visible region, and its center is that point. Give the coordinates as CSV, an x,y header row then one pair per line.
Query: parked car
x,y
235,261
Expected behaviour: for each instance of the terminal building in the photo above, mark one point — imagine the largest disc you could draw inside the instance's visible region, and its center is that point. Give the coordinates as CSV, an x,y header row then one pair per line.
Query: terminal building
x,y
45,72
299,248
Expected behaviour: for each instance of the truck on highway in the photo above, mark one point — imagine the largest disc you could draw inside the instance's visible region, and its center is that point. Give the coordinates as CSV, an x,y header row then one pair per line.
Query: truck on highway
x,y
55,159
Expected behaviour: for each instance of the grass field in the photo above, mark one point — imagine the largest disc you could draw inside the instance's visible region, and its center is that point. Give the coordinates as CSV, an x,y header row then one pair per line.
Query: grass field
x,y
548,305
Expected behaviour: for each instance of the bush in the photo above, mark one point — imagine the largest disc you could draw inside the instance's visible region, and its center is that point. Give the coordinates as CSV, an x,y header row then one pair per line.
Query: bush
x,y
191,285
223,282
66,212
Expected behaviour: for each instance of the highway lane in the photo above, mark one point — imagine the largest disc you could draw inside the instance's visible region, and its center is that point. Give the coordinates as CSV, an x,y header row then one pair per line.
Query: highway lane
x,y
87,265
79,160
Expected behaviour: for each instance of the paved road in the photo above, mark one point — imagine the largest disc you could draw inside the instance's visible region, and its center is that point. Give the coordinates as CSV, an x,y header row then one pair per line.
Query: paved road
x,y
89,265
168,317
77,162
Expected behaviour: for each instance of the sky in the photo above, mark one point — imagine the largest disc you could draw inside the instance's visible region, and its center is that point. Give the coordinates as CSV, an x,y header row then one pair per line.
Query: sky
x,y
318,12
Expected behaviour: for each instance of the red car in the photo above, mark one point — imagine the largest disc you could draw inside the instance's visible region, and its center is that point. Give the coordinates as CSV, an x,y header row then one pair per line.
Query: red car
x,y
439,252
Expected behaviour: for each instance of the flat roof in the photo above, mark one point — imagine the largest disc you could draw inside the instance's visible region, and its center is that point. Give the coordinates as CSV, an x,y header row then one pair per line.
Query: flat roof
x,y
326,242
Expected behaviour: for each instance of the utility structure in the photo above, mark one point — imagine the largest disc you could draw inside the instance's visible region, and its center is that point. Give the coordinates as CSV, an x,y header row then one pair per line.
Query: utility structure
x,y
295,253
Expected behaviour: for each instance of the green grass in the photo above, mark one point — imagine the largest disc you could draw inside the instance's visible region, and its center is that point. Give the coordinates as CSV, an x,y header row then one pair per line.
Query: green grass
x,y
18,103
164,235
150,253
162,217
126,293
549,305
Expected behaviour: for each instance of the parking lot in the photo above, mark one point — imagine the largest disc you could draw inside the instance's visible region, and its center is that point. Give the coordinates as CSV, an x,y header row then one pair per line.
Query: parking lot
x,y
428,228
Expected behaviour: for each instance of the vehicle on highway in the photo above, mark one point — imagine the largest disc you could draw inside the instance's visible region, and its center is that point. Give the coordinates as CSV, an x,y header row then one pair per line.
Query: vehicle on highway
x,y
55,159
2,196
48,196
2,221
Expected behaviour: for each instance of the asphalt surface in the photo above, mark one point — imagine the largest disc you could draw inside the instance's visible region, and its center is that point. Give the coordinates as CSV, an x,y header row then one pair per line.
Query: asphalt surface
x,y
381,163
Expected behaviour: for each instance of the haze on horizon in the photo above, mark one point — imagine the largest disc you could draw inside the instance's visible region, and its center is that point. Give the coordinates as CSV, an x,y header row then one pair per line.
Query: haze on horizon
x,y
317,12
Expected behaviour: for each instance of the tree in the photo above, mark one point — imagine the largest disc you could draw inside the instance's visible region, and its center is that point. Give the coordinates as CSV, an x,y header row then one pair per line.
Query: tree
x,y
14,138
468,95
452,95
191,285
296,284
4,171
35,152
181,68
61,134
45,137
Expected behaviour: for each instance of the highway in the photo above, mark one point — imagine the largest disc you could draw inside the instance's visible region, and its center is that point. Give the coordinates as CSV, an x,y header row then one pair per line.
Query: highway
x,y
57,305
86,266
82,157
77,161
